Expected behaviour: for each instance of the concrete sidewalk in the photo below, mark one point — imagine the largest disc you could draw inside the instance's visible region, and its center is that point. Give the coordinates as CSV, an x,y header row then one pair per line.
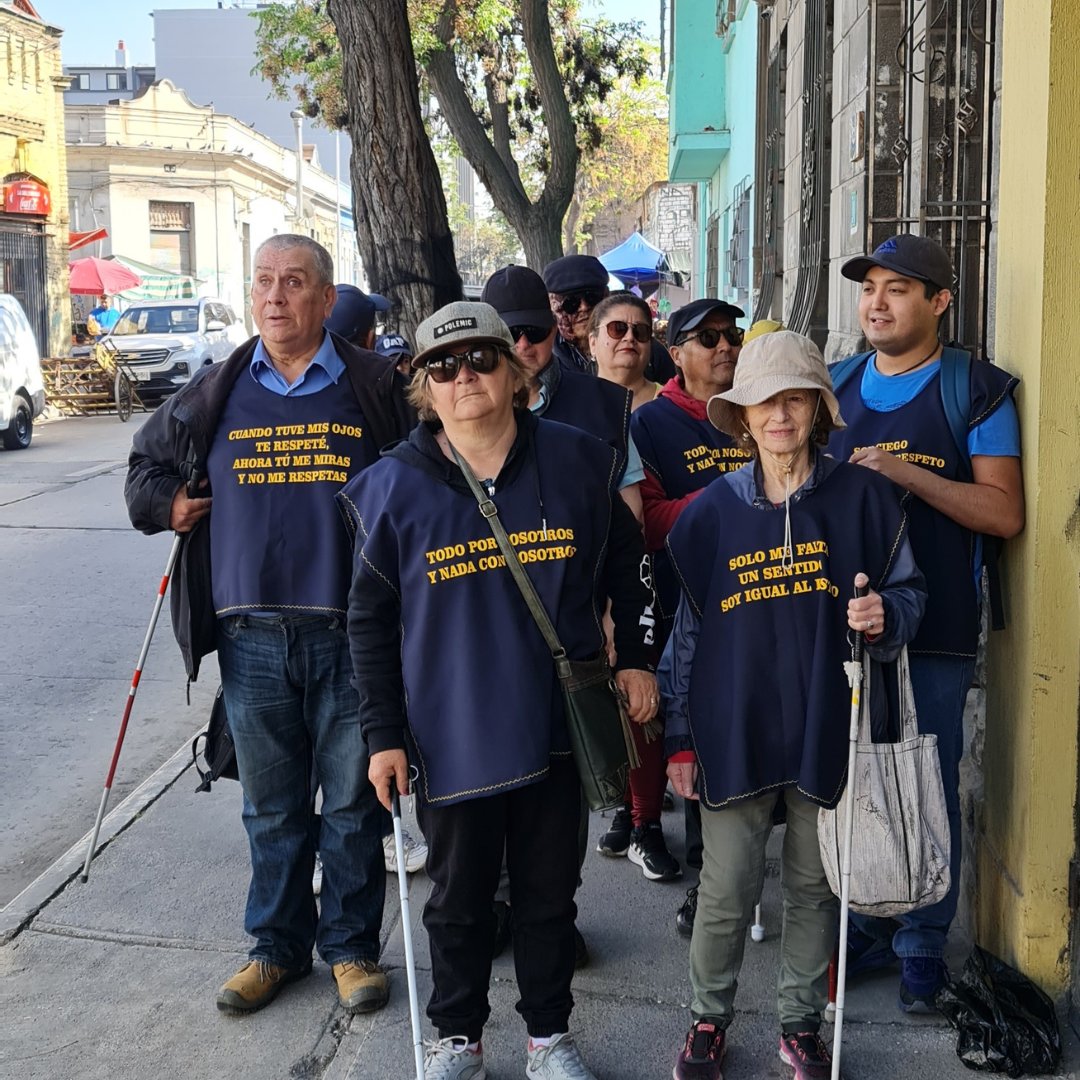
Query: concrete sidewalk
x,y
116,978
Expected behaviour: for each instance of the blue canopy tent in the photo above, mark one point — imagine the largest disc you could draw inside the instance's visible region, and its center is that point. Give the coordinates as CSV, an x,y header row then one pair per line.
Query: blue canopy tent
x,y
636,262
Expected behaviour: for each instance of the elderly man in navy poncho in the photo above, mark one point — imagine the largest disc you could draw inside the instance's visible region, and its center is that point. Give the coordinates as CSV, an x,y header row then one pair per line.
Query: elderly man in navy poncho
x,y
753,677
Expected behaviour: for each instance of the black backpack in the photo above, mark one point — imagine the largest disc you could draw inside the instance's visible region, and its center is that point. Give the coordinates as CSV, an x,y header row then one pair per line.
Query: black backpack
x,y
217,749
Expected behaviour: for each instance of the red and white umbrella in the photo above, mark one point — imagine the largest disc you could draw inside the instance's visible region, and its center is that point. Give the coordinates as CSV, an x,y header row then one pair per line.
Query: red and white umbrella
x,y
97,277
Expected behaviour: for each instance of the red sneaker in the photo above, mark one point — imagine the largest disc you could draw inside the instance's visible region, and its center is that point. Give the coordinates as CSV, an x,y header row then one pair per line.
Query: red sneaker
x,y
700,1058
807,1054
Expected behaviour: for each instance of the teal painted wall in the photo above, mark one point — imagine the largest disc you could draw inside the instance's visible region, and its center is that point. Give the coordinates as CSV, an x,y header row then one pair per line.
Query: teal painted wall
x,y
696,86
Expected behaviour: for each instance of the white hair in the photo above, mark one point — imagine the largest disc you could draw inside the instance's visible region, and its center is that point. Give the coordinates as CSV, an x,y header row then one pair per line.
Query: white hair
x,y
320,257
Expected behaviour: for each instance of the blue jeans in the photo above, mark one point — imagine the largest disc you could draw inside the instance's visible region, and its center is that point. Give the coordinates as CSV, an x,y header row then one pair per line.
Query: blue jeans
x,y
940,685
291,705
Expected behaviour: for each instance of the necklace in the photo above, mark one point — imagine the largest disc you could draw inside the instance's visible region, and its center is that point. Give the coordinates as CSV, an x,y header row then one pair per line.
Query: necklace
x,y
914,366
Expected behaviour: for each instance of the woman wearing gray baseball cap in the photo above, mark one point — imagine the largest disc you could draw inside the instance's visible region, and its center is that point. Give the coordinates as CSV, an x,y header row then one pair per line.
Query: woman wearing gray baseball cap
x,y
753,677
452,667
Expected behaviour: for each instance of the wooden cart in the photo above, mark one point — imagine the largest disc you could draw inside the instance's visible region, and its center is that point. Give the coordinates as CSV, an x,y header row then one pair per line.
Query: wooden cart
x,y
84,385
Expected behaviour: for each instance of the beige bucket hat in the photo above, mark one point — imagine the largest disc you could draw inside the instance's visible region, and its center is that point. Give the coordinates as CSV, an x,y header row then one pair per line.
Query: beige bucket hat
x,y
782,360
461,321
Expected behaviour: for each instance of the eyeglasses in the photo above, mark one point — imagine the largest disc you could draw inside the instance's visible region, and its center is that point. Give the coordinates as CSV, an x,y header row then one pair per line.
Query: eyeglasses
x,y
616,330
571,302
710,338
533,334
444,367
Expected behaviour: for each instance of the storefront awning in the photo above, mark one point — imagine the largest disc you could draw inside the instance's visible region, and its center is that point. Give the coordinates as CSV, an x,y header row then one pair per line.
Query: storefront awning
x,y
82,239
156,284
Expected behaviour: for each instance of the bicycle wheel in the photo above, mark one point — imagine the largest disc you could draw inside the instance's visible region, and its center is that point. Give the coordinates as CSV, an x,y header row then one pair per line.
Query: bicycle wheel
x,y
123,395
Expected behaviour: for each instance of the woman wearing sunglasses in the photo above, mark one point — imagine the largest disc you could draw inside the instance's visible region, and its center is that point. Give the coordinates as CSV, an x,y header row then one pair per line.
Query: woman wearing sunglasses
x,y
620,336
451,666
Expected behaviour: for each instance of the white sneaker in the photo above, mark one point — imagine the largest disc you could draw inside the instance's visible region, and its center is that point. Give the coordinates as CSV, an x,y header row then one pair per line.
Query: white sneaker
x,y
451,1059
415,853
559,1060
316,878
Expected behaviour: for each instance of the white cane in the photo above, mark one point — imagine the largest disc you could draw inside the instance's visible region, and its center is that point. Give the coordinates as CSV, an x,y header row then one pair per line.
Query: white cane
x,y
854,674
406,930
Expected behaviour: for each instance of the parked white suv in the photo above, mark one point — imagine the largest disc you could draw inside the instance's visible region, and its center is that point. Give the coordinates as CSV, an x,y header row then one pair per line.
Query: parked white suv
x,y
164,342
22,391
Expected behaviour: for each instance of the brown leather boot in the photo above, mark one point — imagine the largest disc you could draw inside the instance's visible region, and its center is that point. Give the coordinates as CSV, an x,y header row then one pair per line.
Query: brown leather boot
x,y
361,986
254,986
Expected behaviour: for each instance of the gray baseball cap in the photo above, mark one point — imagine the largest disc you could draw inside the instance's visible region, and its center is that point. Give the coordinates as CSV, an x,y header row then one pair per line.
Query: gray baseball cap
x,y
455,324
767,365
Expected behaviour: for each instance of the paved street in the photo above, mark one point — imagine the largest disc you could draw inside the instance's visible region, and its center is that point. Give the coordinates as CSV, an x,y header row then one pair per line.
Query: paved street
x,y
78,586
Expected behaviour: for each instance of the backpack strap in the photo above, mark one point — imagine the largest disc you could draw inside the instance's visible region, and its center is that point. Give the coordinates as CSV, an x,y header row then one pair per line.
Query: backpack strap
x,y
956,400
844,369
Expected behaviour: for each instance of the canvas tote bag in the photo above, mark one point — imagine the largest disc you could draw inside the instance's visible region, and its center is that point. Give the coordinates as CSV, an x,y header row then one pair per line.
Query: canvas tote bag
x,y
900,836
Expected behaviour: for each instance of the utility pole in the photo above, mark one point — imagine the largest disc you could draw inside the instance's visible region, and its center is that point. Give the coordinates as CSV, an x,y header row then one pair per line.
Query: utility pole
x,y
337,205
298,123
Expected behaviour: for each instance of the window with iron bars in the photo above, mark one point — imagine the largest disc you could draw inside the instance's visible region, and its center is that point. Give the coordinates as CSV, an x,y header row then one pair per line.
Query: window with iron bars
x,y
738,261
712,257
727,12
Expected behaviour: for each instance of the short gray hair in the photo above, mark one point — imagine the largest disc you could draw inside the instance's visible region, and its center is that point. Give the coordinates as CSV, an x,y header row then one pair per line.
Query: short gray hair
x,y
320,257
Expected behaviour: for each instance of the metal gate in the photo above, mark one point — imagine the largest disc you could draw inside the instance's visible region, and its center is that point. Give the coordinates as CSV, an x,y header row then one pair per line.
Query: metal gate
x,y
930,119
22,265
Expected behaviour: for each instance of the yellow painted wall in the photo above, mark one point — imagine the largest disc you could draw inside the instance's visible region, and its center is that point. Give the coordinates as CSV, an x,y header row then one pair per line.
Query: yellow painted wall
x,y
32,110
1027,827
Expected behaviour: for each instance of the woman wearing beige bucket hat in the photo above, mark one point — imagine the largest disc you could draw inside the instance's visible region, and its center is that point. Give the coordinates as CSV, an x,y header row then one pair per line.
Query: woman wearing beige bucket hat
x,y
753,677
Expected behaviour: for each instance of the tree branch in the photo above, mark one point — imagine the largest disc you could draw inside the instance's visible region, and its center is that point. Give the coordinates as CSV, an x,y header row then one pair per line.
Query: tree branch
x,y
500,125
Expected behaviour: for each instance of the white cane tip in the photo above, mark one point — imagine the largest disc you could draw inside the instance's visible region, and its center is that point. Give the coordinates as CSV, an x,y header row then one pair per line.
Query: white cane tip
x,y
84,878
757,933
830,1009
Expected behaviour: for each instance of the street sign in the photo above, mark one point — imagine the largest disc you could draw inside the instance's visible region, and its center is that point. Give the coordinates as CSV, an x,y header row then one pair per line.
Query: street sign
x,y
25,195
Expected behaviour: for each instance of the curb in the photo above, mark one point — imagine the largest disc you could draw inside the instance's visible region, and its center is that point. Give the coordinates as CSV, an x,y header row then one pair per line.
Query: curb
x,y
18,912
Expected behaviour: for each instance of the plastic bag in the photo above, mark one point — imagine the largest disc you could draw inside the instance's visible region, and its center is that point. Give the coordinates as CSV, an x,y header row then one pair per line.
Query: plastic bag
x,y
1006,1024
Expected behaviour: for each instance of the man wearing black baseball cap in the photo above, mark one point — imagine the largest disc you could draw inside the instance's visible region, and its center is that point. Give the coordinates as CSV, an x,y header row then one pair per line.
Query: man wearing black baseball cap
x,y
943,427
682,453
353,317
558,392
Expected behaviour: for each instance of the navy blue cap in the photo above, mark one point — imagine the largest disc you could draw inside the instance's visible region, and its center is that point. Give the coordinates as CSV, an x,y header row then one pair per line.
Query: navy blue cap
x,y
690,315
354,312
392,345
573,273
916,257
520,297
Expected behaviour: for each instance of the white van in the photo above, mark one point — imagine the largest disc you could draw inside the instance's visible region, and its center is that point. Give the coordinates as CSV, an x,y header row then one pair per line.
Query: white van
x,y
22,391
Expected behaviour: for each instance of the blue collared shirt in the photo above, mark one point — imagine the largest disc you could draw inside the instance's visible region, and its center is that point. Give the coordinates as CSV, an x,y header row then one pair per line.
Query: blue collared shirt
x,y
326,367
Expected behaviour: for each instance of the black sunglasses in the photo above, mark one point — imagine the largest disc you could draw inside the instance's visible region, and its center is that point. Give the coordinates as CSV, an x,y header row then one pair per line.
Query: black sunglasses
x,y
710,338
571,302
616,330
533,334
444,367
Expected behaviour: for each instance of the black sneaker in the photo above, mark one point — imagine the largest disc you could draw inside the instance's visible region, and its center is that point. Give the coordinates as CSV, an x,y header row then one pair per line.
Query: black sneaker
x,y
616,841
684,917
700,1058
649,851
669,800
921,977
501,911
807,1054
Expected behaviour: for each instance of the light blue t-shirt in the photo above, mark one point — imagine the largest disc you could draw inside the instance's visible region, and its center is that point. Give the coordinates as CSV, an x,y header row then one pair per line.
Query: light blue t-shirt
x,y
997,436
326,368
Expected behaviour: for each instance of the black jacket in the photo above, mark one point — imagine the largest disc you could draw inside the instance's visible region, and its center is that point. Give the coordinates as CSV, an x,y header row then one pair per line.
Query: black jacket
x,y
174,443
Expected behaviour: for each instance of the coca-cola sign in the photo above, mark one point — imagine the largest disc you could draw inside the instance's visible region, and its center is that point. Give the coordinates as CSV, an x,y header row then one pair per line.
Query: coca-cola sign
x,y
26,195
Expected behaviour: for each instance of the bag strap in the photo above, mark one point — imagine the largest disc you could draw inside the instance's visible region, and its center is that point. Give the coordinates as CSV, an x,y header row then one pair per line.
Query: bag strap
x,y
956,400
517,571
841,371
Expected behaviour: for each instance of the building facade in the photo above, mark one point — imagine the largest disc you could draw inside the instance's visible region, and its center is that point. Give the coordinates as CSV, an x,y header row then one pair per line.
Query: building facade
x,y
191,191
98,84
34,213
713,137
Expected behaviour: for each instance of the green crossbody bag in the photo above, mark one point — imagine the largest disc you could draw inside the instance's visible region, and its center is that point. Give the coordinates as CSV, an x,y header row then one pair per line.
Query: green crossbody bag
x,y
600,736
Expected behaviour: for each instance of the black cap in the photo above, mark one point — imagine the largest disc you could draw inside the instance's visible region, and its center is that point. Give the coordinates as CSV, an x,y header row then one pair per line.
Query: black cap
x,y
518,294
392,345
690,315
354,312
916,257
573,273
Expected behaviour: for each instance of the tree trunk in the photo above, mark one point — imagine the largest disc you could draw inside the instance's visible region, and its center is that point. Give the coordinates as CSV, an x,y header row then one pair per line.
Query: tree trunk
x,y
401,222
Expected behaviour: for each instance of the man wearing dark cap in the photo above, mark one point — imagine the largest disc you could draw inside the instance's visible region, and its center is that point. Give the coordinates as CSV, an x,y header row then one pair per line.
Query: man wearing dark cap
x,y
353,317
681,453
395,347
943,427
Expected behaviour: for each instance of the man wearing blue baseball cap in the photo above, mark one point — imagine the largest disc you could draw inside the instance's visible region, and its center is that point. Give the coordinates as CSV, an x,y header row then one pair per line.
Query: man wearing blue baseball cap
x,y
353,317
943,427
396,348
